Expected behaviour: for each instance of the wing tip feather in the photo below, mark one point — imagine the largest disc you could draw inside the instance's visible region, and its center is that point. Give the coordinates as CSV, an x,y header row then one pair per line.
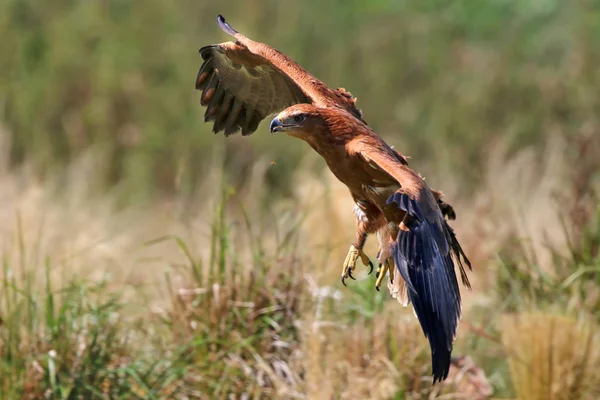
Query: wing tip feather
x,y
225,27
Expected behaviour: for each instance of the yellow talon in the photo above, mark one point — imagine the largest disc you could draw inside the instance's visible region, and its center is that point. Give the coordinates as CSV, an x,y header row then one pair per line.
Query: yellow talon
x,y
378,272
365,260
350,262
381,272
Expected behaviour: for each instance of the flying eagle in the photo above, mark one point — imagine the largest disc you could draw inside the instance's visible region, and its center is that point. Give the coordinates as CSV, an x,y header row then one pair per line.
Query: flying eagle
x,y
244,81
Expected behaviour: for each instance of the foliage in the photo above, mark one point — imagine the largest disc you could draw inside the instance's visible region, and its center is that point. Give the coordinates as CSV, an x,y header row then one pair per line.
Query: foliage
x,y
439,79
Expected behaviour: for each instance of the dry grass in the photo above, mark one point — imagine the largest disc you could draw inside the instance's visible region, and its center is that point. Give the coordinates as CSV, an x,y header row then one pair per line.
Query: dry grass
x,y
220,295
552,357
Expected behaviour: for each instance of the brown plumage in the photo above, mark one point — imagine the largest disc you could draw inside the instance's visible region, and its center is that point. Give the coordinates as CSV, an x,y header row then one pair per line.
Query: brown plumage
x,y
244,81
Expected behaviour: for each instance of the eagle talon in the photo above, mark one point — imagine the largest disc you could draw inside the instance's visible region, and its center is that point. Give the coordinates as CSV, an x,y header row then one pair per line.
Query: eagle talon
x,y
349,271
381,272
350,263
370,267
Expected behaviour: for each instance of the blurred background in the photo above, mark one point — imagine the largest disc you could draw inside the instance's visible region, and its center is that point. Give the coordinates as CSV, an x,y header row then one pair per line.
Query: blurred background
x,y
145,257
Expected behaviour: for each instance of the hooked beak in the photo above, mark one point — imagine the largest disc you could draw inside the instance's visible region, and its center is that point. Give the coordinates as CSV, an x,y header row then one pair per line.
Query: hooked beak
x,y
276,125
279,125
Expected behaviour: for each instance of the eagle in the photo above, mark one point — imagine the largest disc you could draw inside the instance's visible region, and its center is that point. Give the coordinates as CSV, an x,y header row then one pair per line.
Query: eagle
x,y
244,81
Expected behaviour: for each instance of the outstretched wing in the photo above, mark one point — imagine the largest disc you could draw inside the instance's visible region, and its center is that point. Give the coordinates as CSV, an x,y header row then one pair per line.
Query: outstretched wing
x,y
423,253
243,82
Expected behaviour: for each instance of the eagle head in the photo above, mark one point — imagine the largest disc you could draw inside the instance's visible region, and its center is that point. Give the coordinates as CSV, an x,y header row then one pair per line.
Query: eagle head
x,y
315,124
300,120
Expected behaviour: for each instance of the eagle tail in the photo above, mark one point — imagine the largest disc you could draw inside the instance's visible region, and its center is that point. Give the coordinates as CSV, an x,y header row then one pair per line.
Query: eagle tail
x,y
423,257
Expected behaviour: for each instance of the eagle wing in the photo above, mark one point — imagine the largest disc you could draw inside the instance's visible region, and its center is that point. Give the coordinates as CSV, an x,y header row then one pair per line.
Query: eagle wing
x,y
415,197
243,82
423,253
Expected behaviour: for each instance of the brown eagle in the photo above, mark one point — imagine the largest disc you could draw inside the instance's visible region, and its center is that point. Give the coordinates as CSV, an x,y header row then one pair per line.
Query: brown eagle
x,y
244,81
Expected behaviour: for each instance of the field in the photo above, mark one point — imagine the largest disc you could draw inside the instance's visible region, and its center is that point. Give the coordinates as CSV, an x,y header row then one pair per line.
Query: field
x,y
144,257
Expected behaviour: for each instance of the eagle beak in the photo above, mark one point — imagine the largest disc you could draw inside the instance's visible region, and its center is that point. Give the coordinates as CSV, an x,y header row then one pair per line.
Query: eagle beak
x,y
276,125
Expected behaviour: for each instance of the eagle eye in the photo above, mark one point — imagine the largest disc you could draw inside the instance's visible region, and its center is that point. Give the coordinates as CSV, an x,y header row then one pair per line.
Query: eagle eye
x,y
299,117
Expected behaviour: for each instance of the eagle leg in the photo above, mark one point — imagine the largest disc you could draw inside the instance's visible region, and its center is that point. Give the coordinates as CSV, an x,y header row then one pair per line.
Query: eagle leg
x,y
382,270
368,219
350,262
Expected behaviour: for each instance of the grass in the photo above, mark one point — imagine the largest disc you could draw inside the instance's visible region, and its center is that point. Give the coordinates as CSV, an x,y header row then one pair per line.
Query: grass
x,y
66,342
144,258
551,356
233,299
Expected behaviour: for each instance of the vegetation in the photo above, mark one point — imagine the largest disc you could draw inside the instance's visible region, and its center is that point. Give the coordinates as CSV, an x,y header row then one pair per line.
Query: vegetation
x,y
454,75
143,257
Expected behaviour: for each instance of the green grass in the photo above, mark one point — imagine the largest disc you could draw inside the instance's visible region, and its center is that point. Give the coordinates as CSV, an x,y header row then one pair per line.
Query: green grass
x,y
247,322
223,333
67,342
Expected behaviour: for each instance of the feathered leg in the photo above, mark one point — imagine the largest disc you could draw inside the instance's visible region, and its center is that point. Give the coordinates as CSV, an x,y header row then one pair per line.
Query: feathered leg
x,y
385,237
368,220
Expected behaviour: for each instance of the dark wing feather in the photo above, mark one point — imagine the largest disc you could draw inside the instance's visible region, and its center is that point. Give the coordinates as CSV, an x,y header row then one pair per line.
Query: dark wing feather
x,y
244,91
424,254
